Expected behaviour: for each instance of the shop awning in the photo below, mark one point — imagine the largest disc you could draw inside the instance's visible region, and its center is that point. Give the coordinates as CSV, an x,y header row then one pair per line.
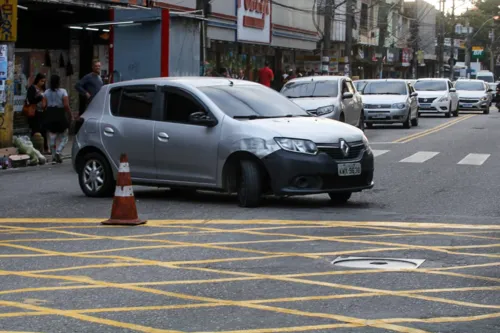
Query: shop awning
x,y
98,4
96,26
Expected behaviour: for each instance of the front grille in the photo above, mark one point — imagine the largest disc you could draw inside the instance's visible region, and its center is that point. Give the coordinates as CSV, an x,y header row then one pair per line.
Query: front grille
x,y
355,150
426,100
377,106
467,100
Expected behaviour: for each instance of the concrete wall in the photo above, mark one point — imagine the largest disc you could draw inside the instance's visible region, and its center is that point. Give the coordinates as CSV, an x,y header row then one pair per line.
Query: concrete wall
x,y
184,57
137,49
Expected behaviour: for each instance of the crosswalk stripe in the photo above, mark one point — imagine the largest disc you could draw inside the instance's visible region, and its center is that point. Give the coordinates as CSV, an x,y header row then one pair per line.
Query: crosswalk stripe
x,y
474,159
378,152
419,157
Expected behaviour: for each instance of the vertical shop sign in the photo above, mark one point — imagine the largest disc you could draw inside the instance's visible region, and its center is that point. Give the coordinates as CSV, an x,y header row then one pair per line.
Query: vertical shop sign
x,y
3,74
8,20
254,21
406,58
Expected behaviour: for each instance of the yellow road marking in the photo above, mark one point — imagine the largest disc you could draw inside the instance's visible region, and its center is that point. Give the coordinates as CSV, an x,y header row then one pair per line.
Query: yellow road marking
x,y
432,130
76,315
443,319
291,329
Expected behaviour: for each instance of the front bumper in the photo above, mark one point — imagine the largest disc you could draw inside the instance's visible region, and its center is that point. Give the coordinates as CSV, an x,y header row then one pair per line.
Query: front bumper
x,y
300,174
473,105
434,107
385,116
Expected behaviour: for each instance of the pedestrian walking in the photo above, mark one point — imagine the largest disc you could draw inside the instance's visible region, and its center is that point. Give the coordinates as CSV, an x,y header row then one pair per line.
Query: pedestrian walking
x,y
266,75
90,84
34,96
57,117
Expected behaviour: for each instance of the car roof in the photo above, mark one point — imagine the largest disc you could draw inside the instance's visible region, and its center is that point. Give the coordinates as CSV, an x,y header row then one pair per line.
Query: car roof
x,y
434,79
390,80
194,81
318,78
473,80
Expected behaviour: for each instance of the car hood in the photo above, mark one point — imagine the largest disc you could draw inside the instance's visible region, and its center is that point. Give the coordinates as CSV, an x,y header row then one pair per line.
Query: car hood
x,y
312,103
319,130
471,93
383,99
424,94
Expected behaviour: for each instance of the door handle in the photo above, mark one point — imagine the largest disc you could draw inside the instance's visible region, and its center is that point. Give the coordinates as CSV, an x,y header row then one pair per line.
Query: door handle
x,y
108,131
163,137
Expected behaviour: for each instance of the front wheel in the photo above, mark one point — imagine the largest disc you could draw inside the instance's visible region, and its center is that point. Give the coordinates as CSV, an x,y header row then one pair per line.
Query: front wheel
x,y
414,122
361,121
250,187
455,114
339,198
95,176
408,122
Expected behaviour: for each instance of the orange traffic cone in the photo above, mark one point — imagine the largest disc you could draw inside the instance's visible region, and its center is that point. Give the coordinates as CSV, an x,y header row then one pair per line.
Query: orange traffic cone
x,y
124,211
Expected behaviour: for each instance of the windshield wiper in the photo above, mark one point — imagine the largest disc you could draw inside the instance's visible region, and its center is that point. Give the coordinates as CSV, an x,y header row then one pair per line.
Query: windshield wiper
x,y
251,117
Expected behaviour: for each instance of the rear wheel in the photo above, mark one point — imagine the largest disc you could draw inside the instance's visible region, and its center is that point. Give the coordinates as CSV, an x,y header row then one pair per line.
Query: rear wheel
x,y
95,176
250,186
339,198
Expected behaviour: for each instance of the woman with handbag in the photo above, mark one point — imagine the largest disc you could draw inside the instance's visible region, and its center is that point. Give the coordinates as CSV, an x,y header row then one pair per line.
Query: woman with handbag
x,y
57,117
33,110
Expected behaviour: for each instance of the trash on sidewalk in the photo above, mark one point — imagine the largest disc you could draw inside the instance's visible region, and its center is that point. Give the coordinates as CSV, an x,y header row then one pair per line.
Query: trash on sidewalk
x,y
25,146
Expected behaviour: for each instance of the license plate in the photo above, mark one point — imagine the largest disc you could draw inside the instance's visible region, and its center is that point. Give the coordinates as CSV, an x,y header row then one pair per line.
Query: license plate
x,y
379,116
424,105
349,169
467,105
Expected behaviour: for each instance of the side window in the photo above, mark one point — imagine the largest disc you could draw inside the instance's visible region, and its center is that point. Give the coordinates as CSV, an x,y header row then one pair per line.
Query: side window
x,y
179,106
132,103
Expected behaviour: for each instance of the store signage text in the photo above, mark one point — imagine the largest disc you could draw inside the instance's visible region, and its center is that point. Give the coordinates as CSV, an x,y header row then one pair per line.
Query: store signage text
x,y
8,23
254,20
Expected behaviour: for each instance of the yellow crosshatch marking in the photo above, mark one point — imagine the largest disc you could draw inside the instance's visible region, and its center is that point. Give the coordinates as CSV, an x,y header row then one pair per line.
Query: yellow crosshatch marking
x,y
32,243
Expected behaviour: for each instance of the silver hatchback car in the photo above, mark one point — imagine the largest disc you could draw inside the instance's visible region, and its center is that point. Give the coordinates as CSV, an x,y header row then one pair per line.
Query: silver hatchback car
x,y
217,134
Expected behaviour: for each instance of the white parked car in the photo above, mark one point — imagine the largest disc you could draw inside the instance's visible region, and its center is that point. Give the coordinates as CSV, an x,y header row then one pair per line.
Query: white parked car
x,y
333,97
390,101
474,95
437,96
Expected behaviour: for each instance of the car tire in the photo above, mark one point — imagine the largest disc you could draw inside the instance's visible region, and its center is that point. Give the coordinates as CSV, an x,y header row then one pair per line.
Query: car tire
x,y
369,125
250,187
361,121
407,124
342,118
339,198
97,164
448,114
457,111
486,111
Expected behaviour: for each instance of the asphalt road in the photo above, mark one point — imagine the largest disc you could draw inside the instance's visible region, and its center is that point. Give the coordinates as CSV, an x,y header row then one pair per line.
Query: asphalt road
x,y
202,264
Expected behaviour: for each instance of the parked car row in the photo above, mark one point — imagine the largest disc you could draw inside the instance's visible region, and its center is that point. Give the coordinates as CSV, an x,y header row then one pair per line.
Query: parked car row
x,y
226,135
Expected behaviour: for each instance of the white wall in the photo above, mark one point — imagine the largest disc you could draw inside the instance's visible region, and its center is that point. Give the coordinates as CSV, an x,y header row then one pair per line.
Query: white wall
x,y
294,18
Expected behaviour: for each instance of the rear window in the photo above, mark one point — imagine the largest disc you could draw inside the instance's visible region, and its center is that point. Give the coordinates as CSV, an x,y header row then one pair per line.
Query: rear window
x,y
385,88
486,78
430,85
465,85
326,88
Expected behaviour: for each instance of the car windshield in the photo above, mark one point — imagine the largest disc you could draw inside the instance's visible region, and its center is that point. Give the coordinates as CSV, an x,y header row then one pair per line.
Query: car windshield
x,y
486,78
476,86
301,89
430,85
252,102
385,88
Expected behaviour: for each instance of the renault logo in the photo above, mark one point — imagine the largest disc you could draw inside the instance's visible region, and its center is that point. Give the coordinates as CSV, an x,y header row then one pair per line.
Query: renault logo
x,y
344,148
425,100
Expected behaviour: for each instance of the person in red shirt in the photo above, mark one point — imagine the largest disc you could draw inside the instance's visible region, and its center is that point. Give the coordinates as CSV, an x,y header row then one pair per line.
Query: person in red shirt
x,y
266,75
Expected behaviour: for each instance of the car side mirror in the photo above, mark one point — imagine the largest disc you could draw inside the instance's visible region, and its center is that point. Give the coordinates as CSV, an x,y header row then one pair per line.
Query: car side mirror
x,y
414,94
453,90
347,95
202,118
490,90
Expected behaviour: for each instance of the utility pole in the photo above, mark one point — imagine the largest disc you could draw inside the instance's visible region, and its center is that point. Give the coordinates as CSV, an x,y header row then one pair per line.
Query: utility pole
x,y
382,24
206,7
492,54
416,27
348,36
8,37
467,49
441,39
327,37
452,59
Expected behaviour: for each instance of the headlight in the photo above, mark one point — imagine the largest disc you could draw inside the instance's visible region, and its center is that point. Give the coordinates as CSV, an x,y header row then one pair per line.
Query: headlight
x,y
366,143
443,99
297,145
398,106
484,98
324,110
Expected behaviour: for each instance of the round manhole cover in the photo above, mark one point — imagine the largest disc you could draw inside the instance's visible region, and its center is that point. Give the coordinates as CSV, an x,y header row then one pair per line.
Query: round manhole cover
x,y
377,263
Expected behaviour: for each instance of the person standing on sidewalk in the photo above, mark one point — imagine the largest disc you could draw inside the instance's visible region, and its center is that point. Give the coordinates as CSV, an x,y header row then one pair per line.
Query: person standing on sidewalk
x,y
90,84
266,75
57,116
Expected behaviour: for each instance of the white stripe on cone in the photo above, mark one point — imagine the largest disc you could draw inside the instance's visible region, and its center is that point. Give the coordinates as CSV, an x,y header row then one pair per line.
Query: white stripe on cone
x,y
124,167
124,191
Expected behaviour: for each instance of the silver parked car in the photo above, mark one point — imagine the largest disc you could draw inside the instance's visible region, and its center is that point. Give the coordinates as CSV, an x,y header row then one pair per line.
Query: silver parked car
x,y
217,134
333,97
474,95
390,101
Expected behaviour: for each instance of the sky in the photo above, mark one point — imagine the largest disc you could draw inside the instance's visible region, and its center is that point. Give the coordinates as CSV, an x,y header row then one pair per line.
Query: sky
x,y
460,5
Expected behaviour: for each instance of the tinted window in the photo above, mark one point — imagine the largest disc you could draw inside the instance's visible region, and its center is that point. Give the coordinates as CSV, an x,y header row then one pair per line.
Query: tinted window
x,y
467,85
430,85
179,106
311,89
132,103
360,85
252,101
486,78
385,88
